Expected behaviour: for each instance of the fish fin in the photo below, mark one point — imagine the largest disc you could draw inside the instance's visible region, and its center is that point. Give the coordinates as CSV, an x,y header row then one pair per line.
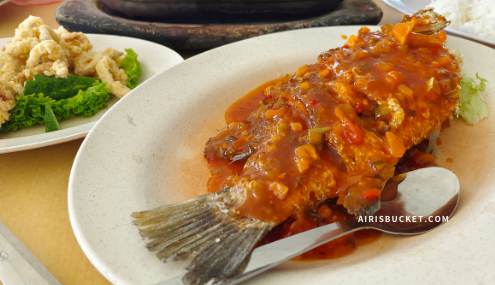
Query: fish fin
x,y
432,142
205,228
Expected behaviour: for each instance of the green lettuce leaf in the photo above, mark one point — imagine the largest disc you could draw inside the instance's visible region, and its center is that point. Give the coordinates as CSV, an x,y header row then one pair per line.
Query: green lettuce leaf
x,y
472,108
30,109
132,68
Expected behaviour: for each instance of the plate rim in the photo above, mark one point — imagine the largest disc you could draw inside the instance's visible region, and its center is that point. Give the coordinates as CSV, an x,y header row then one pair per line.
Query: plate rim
x,y
82,130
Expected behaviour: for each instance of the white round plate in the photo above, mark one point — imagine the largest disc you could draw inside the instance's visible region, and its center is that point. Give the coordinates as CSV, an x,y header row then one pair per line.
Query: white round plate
x,y
410,7
154,59
148,151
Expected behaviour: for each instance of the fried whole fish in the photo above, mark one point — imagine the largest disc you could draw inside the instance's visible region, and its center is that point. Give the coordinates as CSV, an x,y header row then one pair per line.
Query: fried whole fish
x,y
335,129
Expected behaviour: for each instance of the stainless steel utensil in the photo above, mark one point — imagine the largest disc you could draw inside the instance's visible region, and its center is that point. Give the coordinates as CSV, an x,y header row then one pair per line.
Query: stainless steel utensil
x,y
19,266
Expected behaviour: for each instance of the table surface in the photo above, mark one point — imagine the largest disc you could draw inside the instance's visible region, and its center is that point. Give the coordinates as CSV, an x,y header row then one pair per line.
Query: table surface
x,y
33,193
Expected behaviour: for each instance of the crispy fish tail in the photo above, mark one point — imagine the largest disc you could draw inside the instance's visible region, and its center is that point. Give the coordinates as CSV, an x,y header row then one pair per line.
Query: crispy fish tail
x,y
205,228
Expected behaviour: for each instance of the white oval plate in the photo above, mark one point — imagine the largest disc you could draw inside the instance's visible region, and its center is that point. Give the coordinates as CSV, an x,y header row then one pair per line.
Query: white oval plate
x,y
123,167
154,59
410,7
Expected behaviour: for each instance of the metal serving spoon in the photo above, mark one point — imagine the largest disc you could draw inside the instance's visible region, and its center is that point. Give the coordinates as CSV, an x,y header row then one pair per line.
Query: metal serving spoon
x,y
425,199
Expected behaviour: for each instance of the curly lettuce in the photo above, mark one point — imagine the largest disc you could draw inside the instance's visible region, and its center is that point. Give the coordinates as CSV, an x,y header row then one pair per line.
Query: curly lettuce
x,y
132,68
472,105
30,109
